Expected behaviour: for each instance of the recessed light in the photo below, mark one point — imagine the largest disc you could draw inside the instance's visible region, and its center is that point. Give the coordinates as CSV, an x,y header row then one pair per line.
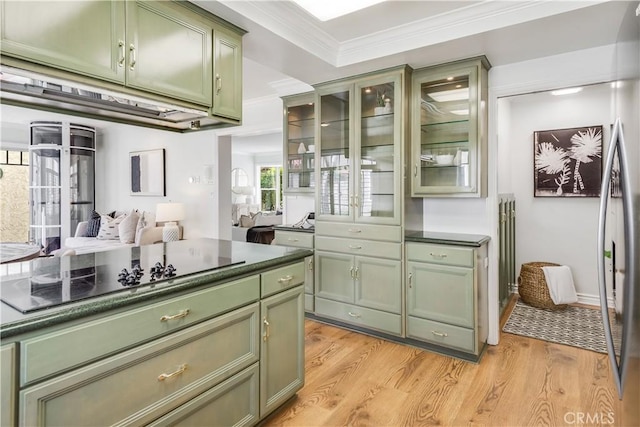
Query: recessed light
x,y
450,78
567,91
329,9
324,125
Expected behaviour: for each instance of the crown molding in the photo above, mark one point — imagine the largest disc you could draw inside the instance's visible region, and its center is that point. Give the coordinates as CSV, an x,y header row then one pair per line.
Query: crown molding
x,y
463,22
290,86
290,22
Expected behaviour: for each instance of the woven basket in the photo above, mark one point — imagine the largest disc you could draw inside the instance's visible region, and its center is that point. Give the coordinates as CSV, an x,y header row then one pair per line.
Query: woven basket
x,y
533,288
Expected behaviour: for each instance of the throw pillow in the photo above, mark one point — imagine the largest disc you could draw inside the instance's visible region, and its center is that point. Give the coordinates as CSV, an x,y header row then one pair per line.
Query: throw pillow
x,y
128,226
109,228
246,221
145,219
93,225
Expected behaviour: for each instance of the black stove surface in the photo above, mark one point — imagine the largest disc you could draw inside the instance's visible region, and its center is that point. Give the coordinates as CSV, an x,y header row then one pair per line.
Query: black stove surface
x,y
55,281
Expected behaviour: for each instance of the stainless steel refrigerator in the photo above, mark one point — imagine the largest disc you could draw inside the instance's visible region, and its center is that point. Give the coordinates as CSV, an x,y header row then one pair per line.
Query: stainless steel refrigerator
x,y
619,222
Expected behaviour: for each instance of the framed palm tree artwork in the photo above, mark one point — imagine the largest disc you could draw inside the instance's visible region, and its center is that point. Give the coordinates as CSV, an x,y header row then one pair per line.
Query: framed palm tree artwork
x,y
567,162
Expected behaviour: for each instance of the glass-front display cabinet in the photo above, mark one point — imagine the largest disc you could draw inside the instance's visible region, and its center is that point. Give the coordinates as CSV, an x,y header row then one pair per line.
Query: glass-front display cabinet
x,y
61,181
360,143
299,143
449,130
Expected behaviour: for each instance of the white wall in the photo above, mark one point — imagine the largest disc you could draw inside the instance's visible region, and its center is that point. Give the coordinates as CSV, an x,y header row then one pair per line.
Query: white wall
x,y
185,156
554,229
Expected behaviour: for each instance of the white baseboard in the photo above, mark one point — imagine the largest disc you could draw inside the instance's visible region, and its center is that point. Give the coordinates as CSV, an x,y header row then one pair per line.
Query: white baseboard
x,y
587,299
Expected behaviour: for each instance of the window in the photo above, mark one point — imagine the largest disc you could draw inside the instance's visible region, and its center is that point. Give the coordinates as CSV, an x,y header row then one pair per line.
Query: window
x,y
270,188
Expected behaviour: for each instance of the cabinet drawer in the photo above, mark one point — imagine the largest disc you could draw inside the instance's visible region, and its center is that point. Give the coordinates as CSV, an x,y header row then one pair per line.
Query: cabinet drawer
x,y
282,278
49,353
359,316
165,373
385,233
295,239
359,247
440,254
441,334
232,403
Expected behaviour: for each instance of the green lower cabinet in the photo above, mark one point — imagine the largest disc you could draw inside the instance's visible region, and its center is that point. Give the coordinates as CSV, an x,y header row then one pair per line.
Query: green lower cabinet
x,y
137,386
446,291
282,348
232,403
441,293
363,291
8,386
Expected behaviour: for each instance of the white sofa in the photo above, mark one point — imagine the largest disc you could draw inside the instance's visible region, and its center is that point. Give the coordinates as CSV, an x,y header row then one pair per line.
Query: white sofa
x,y
146,232
239,233
83,245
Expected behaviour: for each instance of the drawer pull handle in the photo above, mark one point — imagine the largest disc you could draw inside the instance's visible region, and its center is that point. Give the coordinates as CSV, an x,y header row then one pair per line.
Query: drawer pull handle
x,y
354,230
132,57
440,334
357,271
439,256
356,315
267,329
291,239
355,247
311,265
183,313
286,279
410,279
218,83
122,53
180,370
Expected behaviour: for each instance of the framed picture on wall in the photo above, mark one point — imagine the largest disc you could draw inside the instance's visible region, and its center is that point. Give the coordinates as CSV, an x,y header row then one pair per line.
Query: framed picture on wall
x,y
567,162
147,173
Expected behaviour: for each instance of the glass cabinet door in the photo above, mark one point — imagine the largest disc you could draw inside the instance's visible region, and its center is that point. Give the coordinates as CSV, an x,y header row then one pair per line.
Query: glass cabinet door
x,y
446,130
378,151
335,199
299,147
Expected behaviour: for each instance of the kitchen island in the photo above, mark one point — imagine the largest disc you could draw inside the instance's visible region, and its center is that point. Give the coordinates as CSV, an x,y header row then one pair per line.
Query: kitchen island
x,y
218,343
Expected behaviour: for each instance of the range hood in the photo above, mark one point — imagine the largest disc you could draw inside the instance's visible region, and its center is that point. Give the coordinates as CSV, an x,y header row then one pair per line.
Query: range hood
x,y
32,90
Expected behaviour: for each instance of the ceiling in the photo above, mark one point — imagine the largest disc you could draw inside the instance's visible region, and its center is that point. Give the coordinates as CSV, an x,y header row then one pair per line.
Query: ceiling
x,y
285,45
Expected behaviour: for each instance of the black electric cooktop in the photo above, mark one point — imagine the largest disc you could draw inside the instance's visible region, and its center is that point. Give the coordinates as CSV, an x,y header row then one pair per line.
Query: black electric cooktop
x,y
49,282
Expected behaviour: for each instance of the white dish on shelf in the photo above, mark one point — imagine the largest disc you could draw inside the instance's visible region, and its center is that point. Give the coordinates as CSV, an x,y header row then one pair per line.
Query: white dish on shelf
x,y
444,159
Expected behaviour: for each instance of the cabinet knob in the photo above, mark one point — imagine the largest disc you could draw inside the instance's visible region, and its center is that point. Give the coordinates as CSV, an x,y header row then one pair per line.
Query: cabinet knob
x,y
354,315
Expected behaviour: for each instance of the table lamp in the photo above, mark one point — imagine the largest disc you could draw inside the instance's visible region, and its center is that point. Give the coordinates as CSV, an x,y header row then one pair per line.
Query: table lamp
x,y
170,214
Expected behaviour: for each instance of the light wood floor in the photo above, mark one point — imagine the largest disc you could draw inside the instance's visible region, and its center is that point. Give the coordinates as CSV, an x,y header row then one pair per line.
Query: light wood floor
x,y
355,379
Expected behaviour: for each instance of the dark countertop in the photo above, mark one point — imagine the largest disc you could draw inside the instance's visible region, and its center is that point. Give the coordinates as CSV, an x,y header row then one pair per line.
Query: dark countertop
x,y
256,258
291,228
458,239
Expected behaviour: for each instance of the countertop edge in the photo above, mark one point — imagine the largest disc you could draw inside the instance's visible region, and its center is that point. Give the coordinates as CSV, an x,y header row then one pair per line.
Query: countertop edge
x,y
92,307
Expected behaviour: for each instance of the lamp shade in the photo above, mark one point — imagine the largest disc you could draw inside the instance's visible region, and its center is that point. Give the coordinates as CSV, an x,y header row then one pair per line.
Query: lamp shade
x,y
169,212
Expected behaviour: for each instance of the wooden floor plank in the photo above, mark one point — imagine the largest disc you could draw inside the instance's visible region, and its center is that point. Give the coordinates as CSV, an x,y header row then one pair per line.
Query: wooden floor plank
x,y
358,380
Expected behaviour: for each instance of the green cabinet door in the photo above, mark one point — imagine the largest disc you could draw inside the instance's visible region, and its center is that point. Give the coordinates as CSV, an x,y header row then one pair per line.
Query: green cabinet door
x,y
335,274
8,391
85,37
227,74
441,293
282,348
168,53
377,283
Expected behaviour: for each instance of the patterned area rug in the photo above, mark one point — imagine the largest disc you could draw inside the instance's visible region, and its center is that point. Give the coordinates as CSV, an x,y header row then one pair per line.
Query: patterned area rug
x,y
576,326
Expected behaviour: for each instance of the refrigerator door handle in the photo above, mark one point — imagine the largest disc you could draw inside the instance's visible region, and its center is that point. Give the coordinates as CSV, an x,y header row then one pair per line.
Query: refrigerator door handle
x,y
602,216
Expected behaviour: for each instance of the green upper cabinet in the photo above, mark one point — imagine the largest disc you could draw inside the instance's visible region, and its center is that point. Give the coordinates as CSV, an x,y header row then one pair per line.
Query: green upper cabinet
x,y
299,144
167,52
227,74
171,49
360,138
83,37
449,130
